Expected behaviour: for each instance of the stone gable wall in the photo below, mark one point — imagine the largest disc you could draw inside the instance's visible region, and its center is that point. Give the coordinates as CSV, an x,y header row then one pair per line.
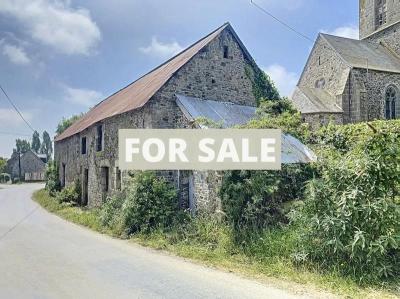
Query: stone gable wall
x,y
324,63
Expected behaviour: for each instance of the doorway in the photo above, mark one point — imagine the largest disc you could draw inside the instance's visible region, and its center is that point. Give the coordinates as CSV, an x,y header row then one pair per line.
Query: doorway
x,y
85,189
63,176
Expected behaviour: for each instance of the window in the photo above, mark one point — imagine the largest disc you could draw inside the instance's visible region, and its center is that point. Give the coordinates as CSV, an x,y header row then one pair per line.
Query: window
x,y
226,52
391,96
380,13
99,138
83,146
320,83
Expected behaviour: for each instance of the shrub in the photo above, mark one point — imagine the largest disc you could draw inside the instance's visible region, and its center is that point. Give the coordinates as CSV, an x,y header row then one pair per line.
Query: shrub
x,y
70,194
255,199
351,218
150,202
110,213
53,183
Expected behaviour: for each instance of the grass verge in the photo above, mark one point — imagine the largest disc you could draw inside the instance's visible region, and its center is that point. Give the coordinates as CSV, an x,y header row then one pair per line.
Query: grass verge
x,y
271,267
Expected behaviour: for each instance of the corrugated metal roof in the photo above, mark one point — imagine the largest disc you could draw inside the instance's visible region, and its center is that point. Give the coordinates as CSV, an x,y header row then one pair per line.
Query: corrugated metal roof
x,y
229,115
139,92
226,113
364,54
314,100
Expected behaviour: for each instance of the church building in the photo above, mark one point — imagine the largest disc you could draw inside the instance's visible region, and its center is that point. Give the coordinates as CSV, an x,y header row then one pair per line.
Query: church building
x,y
348,80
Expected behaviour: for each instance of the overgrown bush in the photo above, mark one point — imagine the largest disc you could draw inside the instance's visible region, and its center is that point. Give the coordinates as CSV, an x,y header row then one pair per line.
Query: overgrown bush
x,y
343,138
53,183
351,218
280,115
150,202
70,194
110,213
256,199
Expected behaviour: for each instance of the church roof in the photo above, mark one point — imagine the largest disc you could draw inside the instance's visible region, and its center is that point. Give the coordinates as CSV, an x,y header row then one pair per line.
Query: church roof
x,y
314,100
138,93
363,54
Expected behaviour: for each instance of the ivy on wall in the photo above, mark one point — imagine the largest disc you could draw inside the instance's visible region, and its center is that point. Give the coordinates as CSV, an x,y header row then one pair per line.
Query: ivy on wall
x,y
263,87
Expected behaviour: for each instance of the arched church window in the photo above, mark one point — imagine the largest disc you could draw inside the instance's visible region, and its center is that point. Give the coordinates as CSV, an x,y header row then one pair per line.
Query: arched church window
x,y
380,13
391,96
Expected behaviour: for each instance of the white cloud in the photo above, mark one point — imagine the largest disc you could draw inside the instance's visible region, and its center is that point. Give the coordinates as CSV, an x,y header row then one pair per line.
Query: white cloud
x,y
160,49
83,97
15,54
284,80
55,24
345,31
10,118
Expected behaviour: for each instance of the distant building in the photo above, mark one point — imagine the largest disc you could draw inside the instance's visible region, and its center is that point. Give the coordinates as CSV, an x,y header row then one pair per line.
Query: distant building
x,y
348,80
32,166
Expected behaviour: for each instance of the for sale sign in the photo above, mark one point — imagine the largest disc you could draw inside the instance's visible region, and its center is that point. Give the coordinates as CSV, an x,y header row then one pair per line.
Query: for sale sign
x,y
194,149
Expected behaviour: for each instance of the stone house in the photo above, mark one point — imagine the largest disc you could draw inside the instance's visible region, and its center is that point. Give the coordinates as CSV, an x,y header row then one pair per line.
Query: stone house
x,y
32,166
217,67
348,80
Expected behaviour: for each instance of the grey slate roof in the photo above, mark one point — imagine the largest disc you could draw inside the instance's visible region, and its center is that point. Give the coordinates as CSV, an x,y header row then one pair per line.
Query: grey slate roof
x,y
229,115
314,100
363,54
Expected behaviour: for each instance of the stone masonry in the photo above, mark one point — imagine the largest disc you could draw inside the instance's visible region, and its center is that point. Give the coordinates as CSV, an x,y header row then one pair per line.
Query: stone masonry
x,y
207,75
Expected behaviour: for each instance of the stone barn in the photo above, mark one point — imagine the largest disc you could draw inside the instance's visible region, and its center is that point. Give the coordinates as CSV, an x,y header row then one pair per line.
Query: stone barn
x,y
217,67
348,80
32,166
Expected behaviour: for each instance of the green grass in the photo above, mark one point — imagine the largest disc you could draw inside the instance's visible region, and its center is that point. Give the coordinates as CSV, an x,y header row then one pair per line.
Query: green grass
x,y
207,242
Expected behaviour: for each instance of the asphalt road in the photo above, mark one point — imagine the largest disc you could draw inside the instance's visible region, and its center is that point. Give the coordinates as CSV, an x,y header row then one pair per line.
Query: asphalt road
x,y
43,256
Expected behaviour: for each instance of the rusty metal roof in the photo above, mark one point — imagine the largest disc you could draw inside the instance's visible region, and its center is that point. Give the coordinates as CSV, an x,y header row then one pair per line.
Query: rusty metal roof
x,y
229,115
140,91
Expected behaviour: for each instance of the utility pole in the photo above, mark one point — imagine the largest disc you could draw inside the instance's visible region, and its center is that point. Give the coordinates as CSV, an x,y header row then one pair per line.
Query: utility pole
x,y
19,165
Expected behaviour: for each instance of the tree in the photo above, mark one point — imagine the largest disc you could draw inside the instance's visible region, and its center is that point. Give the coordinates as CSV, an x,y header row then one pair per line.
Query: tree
x,y
35,142
3,165
22,146
65,123
47,146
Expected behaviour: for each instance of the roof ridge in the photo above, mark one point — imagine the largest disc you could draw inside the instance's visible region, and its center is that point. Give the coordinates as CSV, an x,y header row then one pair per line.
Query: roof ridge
x,y
164,63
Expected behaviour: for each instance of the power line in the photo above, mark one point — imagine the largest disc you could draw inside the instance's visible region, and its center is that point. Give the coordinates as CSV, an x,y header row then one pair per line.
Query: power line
x,y
14,134
281,22
16,109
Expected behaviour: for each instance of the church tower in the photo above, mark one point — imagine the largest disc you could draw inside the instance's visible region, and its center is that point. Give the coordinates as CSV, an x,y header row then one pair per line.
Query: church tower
x,y
378,15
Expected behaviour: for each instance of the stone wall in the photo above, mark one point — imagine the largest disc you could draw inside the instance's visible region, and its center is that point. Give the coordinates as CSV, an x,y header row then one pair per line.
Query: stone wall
x,y
316,120
208,75
368,20
390,38
375,84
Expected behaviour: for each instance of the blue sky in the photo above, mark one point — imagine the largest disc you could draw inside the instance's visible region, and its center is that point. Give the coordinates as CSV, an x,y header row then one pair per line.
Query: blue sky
x,y
60,57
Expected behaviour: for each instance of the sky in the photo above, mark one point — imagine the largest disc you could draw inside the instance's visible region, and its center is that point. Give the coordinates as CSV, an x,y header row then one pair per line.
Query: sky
x,y
60,57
